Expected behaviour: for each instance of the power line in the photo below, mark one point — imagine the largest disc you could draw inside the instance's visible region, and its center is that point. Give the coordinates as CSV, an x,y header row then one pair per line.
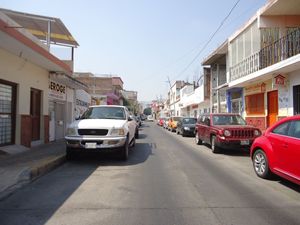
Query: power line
x,y
209,40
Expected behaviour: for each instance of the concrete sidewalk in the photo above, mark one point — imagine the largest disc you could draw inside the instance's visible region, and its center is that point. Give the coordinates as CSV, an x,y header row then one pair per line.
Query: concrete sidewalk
x,y
22,167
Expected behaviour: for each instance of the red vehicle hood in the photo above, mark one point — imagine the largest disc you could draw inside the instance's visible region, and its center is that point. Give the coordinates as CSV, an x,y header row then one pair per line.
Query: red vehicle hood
x,y
234,127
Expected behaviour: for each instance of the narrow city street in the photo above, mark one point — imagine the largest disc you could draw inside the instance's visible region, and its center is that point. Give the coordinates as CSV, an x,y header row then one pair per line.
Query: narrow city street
x,y
168,179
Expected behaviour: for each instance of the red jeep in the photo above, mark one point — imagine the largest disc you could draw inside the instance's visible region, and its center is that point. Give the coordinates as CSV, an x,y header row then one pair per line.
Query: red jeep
x,y
225,130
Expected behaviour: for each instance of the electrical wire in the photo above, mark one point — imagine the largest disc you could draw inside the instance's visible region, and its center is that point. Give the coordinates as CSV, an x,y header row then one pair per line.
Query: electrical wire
x,y
209,40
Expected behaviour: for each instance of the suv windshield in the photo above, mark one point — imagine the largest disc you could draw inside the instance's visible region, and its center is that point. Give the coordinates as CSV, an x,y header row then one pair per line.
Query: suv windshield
x,y
189,120
228,120
104,113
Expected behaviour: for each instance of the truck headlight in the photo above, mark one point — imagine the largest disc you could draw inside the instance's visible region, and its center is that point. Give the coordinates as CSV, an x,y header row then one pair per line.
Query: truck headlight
x,y
117,132
257,133
71,132
227,133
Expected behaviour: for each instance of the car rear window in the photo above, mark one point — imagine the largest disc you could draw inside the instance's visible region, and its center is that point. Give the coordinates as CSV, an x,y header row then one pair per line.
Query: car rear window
x,y
189,120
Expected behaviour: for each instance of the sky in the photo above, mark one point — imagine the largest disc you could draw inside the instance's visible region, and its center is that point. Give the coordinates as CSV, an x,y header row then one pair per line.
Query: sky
x,y
145,42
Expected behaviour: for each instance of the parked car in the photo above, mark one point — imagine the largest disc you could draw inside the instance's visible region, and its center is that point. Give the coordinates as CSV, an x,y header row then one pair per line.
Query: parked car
x,y
166,122
225,131
172,123
160,121
150,118
186,126
109,128
278,150
139,120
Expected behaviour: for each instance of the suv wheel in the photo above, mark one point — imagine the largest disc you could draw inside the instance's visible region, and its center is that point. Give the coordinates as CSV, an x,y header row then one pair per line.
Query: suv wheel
x,y
136,134
197,139
214,148
261,164
125,150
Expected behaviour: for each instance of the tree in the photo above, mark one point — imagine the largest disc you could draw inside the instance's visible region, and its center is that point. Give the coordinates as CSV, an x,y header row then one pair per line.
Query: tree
x,y
148,111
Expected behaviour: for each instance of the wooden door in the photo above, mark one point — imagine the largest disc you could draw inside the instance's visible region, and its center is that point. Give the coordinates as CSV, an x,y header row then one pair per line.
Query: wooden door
x,y
272,107
35,113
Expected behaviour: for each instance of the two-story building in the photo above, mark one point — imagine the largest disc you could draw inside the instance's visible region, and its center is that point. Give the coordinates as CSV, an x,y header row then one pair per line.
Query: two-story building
x,y
259,66
33,78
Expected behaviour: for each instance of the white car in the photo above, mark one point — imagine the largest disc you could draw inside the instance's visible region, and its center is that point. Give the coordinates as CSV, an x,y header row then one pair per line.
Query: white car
x,y
104,128
150,118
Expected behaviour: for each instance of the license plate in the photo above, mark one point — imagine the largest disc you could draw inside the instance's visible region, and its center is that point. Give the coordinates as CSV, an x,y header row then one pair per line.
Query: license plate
x,y
90,145
245,142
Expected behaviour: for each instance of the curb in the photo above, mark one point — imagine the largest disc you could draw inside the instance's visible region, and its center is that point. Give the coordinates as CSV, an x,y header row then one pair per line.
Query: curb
x,y
46,167
27,175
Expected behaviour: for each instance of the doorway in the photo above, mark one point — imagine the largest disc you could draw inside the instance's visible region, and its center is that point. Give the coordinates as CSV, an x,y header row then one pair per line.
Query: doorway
x,y
7,112
272,107
59,120
296,99
35,113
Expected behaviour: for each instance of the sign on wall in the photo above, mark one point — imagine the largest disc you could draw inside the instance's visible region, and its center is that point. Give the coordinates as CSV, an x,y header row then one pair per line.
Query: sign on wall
x,y
57,91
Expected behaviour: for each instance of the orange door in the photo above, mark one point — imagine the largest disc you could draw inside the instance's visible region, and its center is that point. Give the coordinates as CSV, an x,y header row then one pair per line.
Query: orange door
x,y
272,107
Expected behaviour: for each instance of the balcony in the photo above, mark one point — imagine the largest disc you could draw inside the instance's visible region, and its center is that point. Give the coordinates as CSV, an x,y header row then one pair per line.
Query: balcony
x,y
278,51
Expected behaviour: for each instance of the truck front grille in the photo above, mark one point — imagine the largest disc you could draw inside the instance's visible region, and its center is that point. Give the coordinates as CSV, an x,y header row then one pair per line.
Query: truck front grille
x,y
245,133
101,132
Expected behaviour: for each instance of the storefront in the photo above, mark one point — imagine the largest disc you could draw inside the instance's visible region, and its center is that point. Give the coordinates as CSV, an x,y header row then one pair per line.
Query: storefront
x,y
57,110
235,103
82,102
267,102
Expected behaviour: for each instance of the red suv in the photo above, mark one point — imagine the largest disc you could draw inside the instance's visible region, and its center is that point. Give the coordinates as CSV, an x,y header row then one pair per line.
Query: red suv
x,y
278,150
224,130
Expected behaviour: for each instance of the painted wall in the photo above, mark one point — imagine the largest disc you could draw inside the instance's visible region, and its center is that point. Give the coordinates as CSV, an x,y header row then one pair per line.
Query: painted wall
x,y
26,75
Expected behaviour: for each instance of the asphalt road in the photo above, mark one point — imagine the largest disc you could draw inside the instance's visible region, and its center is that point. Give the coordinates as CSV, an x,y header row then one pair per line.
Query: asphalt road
x,y
167,180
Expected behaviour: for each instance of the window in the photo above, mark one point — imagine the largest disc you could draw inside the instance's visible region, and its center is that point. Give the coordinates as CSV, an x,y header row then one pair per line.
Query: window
x,y
295,129
282,129
255,104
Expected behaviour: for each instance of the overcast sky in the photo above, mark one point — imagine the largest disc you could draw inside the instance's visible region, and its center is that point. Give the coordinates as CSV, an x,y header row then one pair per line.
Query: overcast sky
x,y
143,41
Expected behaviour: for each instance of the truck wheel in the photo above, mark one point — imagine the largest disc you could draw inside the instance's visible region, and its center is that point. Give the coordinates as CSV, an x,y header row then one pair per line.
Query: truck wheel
x,y
197,139
214,148
125,150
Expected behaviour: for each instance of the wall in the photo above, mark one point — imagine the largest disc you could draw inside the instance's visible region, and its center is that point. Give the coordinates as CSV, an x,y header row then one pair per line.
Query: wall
x,y
26,75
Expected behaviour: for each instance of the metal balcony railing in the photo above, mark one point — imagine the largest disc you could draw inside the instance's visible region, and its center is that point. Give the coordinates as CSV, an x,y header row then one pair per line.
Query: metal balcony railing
x,y
279,50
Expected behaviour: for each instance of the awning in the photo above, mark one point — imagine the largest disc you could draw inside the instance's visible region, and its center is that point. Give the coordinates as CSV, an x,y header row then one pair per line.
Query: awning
x,y
38,26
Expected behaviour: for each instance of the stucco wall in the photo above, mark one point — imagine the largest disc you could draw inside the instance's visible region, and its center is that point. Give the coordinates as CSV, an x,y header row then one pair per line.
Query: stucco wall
x,y
26,75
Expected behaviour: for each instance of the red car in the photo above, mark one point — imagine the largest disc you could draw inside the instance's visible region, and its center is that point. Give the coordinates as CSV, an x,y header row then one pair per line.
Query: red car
x,y
225,131
278,150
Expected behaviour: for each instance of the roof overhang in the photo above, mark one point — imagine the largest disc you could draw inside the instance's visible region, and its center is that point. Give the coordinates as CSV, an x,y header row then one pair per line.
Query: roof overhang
x,y
281,8
216,54
39,26
27,47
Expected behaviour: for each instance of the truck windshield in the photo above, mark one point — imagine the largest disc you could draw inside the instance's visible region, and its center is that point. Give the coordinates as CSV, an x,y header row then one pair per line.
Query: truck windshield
x,y
104,113
228,120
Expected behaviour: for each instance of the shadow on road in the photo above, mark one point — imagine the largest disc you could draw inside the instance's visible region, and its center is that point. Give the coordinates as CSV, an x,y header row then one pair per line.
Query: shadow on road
x,y
137,155
38,202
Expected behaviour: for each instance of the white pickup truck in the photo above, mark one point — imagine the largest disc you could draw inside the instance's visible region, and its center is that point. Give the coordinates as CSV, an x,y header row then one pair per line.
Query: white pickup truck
x,y
104,128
